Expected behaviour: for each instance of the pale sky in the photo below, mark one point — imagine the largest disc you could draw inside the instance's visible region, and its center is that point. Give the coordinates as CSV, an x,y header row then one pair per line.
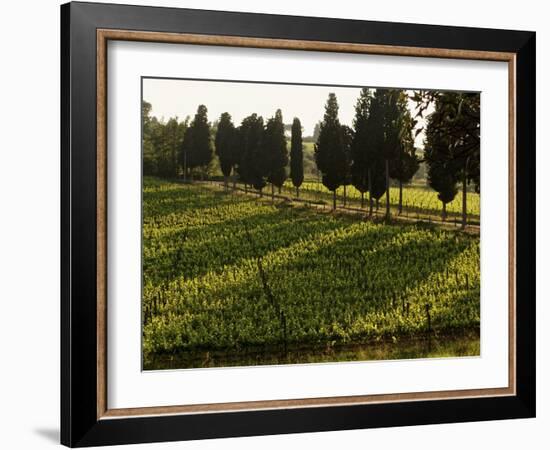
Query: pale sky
x,y
171,98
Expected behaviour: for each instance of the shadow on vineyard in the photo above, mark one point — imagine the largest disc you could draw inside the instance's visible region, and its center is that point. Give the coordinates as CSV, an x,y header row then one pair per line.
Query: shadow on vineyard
x,y
234,280
191,246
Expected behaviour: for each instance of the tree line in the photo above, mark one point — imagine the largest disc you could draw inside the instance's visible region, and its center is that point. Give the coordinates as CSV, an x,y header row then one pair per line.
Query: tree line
x,y
377,149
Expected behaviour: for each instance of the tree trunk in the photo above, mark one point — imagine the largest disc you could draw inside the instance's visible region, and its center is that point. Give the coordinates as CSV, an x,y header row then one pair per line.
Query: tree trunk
x,y
370,192
444,213
297,192
400,197
185,166
279,189
334,199
246,188
174,155
377,204
362,199
464,183
234,181
272,192
344,195
387,189
261,193
225,183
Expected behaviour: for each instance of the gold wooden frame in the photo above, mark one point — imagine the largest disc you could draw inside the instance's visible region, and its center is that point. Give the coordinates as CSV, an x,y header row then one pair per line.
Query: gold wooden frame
x,y
103,36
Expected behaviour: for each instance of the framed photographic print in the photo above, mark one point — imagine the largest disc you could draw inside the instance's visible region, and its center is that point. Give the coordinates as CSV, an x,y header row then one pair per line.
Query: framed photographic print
x,y
276,224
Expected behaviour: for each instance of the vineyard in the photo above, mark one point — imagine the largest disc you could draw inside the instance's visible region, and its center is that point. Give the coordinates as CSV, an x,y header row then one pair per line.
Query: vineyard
x,y
231,279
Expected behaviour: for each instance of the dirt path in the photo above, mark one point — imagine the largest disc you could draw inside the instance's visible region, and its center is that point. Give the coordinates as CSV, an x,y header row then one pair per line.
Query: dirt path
x,y
377,215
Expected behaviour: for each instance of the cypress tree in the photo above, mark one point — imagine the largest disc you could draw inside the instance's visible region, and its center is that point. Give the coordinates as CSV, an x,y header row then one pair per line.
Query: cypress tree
x,y
360,146
462,121
329,149
185,150
377,180
443,169
237,145
376,154
296,156
392,135
405,162
404,168
274,145
347,140
253,165
456,119
316,131
196,150
226,148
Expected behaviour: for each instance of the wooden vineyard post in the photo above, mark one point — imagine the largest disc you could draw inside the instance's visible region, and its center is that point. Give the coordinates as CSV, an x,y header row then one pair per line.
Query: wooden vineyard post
x,y
428,317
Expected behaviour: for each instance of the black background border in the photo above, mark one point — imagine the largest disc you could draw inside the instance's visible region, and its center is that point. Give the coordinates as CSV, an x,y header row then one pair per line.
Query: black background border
x,y
79,425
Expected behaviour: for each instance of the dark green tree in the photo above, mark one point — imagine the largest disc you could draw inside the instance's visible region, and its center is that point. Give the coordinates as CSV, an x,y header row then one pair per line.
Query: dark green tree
x,y
405,163
329,150
185,151
173,134
238,149
226,145
296,156
361,154
375,148
253,165
459,114
196,150
392,126
316,131
404,169
274,145
161,142
442,179
148,149
347,140
456,117
443,169
378,181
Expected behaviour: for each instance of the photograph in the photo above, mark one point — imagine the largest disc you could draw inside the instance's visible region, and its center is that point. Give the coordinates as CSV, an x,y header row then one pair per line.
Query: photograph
x,y
299,224
270,225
